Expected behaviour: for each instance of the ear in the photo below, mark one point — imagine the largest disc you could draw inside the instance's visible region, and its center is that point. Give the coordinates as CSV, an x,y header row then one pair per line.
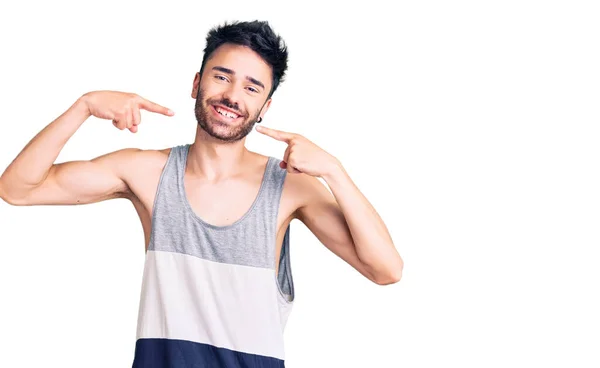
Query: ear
x,y
195,85
266,107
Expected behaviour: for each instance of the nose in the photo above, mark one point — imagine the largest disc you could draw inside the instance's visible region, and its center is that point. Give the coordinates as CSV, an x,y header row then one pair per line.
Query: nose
x,y
232,97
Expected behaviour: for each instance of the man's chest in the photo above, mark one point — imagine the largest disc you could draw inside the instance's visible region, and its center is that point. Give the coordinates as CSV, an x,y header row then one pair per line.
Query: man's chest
x,y
218,203
225,202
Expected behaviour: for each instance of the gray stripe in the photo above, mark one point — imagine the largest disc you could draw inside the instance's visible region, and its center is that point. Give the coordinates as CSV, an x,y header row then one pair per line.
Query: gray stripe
x,y
250,241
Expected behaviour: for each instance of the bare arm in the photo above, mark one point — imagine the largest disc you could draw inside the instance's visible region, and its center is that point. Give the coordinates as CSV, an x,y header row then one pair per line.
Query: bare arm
x,y
33,178
33,165
363,229
78,182
343,220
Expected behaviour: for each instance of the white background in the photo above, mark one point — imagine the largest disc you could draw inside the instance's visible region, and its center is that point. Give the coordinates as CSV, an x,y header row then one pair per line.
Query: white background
x,y
471,126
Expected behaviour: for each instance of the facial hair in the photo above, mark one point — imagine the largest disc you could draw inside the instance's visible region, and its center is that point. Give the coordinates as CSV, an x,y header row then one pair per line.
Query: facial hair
x,y
207,123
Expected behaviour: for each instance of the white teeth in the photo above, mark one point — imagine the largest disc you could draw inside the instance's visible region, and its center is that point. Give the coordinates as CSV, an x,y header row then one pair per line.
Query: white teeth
x,y
227,113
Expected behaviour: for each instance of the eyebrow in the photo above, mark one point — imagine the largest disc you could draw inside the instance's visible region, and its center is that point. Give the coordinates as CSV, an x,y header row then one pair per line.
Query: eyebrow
x,y
229,71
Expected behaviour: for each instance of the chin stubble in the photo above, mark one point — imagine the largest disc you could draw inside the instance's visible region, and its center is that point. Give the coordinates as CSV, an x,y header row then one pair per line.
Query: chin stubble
x,y
235,134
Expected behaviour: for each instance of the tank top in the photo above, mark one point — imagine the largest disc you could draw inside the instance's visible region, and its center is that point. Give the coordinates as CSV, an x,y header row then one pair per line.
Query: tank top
x,y
210,296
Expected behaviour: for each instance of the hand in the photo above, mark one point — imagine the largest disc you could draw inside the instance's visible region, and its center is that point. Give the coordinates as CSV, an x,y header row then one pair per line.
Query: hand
x,y
121,107
302,155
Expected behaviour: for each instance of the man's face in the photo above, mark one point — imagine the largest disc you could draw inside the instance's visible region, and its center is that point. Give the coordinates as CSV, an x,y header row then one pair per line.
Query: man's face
x,y
232,92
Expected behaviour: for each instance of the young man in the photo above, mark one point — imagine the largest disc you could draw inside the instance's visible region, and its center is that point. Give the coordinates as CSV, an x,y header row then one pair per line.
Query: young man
x,y
217,284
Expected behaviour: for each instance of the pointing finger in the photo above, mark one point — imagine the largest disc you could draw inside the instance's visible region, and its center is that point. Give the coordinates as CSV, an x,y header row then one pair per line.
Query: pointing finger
x,y
154,107
274,133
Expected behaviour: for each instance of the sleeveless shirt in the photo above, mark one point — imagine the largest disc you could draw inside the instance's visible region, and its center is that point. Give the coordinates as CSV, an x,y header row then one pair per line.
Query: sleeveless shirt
x,y
210,296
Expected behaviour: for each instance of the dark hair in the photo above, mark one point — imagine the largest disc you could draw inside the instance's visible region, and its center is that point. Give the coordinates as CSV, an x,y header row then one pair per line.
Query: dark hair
x,y
258,36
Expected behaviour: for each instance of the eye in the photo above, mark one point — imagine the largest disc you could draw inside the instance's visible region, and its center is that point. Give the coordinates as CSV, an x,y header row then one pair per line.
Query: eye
x,y
252,89
220,77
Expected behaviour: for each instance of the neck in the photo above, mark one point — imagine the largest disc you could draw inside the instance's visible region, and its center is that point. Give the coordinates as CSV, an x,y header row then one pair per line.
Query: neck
x,y
214,159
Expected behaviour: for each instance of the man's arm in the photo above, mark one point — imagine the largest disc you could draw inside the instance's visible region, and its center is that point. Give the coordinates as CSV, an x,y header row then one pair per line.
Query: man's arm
x,y
348,225
76,182
33,178
345,221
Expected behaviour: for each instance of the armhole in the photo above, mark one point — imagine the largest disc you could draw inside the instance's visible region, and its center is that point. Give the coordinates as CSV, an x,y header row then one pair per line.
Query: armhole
x,y
157,194
285,281
284,278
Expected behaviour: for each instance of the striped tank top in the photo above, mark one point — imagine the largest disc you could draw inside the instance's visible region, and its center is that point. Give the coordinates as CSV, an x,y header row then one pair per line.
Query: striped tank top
x,y
210,297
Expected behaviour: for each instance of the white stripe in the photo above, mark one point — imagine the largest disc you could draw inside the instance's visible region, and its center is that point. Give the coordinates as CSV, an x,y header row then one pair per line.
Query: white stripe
x,y
225,305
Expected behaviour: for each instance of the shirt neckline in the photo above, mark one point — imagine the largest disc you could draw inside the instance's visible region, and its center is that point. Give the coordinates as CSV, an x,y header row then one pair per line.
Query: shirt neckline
x,y
191,211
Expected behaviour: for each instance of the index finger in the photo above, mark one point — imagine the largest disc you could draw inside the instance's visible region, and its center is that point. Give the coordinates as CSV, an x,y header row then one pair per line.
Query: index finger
x,y
274,133
154,107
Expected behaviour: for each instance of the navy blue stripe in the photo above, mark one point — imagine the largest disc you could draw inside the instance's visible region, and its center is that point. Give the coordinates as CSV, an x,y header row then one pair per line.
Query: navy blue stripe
x,y
168,353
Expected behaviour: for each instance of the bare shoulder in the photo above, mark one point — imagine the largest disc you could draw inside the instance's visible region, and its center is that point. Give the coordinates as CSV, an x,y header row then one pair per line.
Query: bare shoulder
x,y
140,168
143,159
126,159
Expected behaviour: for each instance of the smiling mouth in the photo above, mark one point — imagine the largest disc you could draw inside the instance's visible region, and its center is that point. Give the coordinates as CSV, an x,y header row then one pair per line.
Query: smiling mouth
x,y
225,114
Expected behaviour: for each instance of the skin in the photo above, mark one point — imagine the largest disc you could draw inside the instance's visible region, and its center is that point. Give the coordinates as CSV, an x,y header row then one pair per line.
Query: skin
x,y
219,166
